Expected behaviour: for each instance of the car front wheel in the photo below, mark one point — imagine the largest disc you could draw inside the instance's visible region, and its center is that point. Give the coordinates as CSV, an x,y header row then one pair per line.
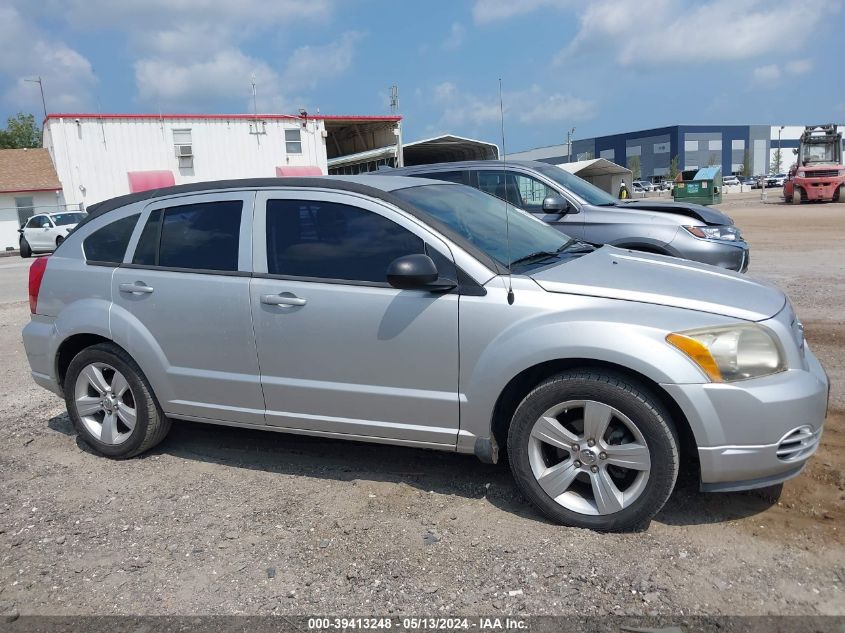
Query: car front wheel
x,y
111,403
26,250
592,449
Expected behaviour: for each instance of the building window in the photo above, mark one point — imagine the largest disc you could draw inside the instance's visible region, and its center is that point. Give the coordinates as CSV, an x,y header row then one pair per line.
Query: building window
x,y
634,150
25,207
661,148
607,154
738,144
690,146
715,145
184,147
293,141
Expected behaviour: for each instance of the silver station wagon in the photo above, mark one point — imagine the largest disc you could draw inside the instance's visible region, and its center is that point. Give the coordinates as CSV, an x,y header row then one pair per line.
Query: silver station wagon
x,y
420,313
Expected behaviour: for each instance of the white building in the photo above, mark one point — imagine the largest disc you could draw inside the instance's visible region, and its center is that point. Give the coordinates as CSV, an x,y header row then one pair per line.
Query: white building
x,y
100,156
28,185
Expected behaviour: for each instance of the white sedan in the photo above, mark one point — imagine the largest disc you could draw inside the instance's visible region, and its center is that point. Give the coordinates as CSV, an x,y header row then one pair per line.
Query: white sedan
x,y
42,233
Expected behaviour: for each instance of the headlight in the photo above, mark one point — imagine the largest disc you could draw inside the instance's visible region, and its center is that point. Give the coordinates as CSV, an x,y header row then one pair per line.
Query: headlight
x,y
800,173
733,352
726,232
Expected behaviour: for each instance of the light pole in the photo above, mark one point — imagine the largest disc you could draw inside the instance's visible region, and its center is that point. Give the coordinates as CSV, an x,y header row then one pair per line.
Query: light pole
x,y
40,85
780,156
569,145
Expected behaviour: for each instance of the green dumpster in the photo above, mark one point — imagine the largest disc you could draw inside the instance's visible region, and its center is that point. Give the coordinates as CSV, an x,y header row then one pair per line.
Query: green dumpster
x,y
702,187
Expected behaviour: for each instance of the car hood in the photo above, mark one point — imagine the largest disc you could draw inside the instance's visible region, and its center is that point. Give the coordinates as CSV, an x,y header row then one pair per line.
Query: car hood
x,y
616,273
697,211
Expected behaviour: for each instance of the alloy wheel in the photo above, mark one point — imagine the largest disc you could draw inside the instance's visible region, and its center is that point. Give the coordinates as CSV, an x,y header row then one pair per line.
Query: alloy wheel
x,y
589,457
105,403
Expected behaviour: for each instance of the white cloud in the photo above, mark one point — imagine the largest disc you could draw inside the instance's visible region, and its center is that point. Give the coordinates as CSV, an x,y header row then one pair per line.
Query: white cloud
x,y
799,67
484,11
67,76
453,41
532,105
308,65
715,30
763,74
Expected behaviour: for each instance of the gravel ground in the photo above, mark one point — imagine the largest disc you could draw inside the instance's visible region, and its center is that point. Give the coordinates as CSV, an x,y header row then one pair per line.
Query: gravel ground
x,y
225,521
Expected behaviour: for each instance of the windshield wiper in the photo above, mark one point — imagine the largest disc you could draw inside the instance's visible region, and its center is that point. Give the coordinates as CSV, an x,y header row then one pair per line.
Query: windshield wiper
x,y
535,257
576,246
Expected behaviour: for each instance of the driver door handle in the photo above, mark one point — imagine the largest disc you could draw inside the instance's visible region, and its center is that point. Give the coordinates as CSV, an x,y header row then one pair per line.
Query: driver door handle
x,y
284,299
139,287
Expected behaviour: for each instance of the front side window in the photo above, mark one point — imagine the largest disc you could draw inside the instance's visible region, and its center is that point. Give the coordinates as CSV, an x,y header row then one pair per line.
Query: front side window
x,y
203,236
108,244
480,220
34,222
520,190
328,240
293,141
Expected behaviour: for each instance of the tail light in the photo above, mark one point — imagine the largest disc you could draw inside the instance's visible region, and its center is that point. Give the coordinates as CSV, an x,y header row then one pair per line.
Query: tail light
x,y
36,274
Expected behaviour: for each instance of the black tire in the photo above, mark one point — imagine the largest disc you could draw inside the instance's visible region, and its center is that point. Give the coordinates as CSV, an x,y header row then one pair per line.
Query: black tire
x,y
151,425
26,251
837,195
629,398
59,241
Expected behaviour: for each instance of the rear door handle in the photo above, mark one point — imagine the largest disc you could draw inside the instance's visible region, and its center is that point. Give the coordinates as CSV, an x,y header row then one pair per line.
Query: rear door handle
x,y
139,287
283,299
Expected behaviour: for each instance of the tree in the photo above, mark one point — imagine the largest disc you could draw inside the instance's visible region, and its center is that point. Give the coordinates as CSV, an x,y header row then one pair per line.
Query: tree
x,y
777,162
673,168
634,166
746,164
21,131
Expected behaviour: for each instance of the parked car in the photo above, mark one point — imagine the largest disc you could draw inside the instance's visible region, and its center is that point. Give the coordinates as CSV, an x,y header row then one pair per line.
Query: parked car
x,y
42,233
584,211
776,180
645,185
729,181
403,311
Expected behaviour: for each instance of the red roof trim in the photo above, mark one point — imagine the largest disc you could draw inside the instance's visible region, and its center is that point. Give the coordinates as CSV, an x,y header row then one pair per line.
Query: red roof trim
x,y
59,188
324,117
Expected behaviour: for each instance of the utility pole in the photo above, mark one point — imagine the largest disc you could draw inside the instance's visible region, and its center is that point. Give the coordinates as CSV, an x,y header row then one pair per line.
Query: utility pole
x,y
41,86
780,154
397,131
569,145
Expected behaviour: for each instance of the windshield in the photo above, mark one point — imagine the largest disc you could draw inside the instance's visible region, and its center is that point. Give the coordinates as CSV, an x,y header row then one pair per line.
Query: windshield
x,y
818,153
480,219
580,187
63,219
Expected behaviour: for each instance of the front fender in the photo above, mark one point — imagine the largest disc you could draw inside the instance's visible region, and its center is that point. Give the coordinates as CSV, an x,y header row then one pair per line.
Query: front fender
x,y
585,330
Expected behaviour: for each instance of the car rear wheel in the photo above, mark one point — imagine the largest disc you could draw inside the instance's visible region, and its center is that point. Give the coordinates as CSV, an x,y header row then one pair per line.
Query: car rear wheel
x,y
26,251
111,403
59,240
592,449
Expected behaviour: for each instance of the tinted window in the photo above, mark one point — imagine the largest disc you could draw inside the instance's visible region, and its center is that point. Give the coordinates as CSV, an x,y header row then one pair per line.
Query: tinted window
x,y
63,219
201,236
109,243
34,221
521,191
450,176
147,249
327,240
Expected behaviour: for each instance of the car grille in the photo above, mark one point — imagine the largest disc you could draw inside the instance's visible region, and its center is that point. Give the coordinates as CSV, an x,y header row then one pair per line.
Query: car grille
x,y
798,444
823,173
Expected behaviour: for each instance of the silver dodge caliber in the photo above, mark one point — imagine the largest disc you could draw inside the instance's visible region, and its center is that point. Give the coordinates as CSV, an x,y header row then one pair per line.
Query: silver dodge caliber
x,y
429,314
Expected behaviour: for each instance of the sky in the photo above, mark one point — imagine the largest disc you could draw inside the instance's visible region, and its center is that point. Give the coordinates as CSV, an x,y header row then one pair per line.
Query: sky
x,y
601,66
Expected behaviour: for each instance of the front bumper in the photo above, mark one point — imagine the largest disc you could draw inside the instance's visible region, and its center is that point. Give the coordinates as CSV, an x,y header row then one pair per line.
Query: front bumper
x,y
746,430
817,188
730,255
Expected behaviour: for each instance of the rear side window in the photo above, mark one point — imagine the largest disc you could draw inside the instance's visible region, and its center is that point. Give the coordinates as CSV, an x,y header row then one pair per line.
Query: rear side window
x,y
449,176
202,236
327,240
108,244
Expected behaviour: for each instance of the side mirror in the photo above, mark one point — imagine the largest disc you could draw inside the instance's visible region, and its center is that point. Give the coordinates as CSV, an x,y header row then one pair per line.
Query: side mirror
x,y
416,272
556,204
